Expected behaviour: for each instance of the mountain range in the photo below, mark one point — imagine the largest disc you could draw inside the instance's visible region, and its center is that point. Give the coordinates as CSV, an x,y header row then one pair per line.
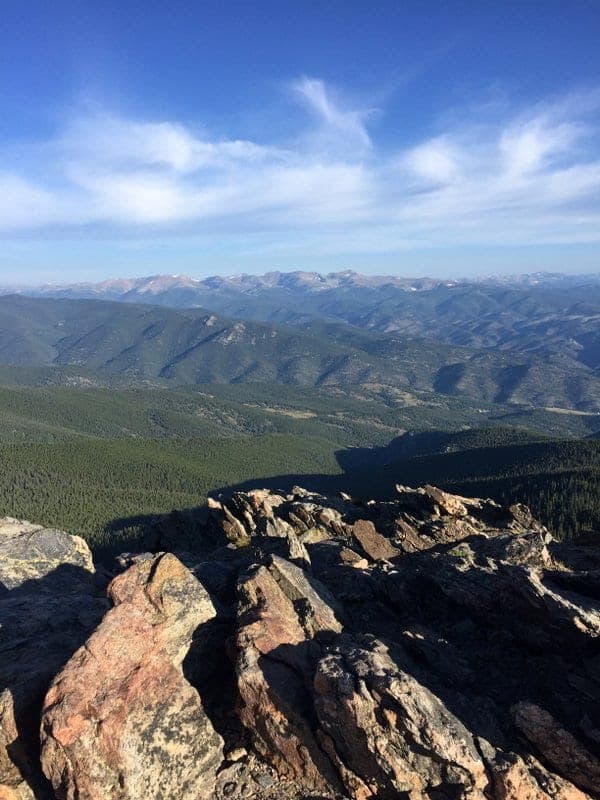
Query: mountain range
x,y
546,314
192,346
160,284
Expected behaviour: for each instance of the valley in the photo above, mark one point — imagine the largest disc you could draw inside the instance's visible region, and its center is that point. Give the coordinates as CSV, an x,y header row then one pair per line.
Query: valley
x,y
115,416
130,343
113,463
299,400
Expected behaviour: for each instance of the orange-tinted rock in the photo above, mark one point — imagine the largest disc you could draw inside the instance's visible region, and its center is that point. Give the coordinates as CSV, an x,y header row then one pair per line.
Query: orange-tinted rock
x,y
120,721
390,730
557,746
20,792
375,546
513,779
280,613
448,504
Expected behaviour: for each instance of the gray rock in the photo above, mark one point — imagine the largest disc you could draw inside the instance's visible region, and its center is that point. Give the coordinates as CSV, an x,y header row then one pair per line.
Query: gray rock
x,y
48,607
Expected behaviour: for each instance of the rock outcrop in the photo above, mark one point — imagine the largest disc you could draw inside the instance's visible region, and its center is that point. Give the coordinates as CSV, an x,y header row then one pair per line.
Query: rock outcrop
x,y
120,720
284,616
432,646
49,605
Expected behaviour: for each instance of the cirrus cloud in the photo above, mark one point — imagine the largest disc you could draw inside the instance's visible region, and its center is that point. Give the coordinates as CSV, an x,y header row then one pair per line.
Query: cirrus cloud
x,y
530,177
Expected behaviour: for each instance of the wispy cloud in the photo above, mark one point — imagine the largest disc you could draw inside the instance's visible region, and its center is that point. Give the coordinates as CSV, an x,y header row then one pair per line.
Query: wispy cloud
x,y
110,141
526,177
337,126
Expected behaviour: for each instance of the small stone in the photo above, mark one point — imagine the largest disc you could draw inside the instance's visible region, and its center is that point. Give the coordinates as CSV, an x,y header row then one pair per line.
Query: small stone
x,y
373,544
237,754
264,780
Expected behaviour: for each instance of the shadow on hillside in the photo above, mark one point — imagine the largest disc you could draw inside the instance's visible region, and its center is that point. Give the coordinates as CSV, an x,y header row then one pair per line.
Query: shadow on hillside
x,y
186,529
364,472
358,466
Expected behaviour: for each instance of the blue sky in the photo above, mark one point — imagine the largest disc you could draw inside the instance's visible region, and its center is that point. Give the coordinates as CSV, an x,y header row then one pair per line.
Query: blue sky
x,y
441,138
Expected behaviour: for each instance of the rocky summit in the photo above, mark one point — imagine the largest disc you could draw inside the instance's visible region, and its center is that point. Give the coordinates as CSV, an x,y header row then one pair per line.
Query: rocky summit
x,y
301,646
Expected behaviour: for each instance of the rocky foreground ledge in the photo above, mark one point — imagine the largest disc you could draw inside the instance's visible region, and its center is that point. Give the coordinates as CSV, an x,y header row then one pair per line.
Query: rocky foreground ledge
x,y
305,647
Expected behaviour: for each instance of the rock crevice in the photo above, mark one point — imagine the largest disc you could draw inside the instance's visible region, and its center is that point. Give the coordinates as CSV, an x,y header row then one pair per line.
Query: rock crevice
x,y
432,646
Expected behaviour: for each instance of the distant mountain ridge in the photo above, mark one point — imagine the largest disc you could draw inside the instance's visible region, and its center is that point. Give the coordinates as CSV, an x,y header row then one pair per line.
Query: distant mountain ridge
x,y
192,346
548,315
157,284
310,281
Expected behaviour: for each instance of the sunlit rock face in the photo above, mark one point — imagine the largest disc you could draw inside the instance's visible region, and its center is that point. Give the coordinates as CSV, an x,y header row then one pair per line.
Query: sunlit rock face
x,y
432,646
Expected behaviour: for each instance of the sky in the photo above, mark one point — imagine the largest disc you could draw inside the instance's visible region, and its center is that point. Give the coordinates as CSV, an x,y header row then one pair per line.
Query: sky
x,y
441,138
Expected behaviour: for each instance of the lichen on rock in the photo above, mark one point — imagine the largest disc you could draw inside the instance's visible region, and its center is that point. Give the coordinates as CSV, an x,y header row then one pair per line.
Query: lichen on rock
x,y
428,647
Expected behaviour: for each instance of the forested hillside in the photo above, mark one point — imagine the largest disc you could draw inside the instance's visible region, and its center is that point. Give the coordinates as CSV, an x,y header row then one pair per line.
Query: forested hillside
x,y
113,415
558,479
103,489
106,463
367,415
123,342
557,315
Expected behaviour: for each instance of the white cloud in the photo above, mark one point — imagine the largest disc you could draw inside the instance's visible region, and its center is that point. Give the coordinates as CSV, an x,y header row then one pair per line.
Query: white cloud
x,y
527,178
436,160
529,145
338,126
24,204
105,139
109,141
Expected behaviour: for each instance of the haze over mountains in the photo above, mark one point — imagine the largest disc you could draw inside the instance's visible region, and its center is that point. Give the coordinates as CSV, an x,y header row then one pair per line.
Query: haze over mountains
x,y
302,531
548,313
533,340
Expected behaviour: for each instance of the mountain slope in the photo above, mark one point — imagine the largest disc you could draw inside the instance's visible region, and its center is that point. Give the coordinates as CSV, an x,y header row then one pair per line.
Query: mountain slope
x,y
552,315
141,342
183,346
558,479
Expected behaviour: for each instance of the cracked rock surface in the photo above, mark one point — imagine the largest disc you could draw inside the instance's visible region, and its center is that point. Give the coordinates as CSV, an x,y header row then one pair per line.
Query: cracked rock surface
x,y
432,646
